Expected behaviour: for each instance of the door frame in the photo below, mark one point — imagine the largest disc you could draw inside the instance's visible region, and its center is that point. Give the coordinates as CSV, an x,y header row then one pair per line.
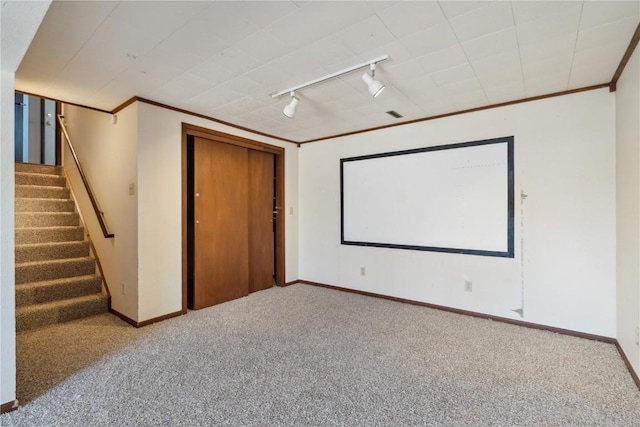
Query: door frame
x,y
278,152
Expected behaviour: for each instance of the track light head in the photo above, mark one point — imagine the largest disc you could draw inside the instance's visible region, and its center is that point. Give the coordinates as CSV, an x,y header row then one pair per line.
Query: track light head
x,y
290,109
374,86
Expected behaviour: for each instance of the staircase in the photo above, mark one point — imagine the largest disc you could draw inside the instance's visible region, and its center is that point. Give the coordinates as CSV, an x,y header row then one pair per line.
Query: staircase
x,y
56,278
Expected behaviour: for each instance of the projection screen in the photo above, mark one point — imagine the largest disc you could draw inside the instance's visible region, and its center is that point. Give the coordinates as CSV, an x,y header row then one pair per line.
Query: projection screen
x,y
455,198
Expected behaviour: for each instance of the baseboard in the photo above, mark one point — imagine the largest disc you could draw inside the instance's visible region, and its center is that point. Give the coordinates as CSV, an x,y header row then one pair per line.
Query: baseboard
x,y
9,406
161,318
123,317
470,313
561,331
290,283
633,373
146,322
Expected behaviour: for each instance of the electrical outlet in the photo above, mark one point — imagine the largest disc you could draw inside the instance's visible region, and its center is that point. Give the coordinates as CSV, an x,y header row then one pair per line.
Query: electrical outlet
x,y
123,289
363,271
468,285
132,189
638,335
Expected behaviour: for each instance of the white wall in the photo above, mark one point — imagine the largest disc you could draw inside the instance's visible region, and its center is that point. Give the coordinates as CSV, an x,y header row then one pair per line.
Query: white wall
x,y
160,206
7,245
564,162
108,155
628,208
19,22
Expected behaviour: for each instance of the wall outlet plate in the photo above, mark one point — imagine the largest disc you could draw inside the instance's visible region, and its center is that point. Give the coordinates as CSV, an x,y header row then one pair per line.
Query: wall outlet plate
x,y
468,285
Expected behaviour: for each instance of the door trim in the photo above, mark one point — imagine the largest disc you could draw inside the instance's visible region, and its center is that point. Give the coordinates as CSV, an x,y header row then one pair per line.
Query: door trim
x,y
193,130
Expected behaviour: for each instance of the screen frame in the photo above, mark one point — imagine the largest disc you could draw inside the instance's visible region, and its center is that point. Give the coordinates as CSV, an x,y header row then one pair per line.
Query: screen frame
x,y
509,253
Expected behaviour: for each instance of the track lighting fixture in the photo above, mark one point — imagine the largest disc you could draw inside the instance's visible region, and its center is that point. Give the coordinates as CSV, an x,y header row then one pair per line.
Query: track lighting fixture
x,y
290,109
374,86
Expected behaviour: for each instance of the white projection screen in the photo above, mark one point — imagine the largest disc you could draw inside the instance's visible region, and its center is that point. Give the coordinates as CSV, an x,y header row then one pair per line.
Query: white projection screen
x,y
455,198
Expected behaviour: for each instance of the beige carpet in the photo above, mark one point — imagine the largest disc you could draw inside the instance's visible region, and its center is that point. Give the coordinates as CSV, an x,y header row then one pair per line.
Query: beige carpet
x,y
311,356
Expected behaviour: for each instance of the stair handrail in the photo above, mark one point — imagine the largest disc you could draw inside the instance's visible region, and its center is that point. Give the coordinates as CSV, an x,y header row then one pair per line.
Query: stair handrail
x,y
85,181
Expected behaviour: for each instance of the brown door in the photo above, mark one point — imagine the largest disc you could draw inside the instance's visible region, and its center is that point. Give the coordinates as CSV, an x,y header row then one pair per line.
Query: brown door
x,y
261,230
221,235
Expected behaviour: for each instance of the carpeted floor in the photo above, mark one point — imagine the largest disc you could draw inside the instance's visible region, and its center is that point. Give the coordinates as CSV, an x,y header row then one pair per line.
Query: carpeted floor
x,y
304,356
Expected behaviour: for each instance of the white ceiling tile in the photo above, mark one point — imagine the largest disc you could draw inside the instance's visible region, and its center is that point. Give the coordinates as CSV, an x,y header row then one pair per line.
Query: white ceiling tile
x,y
314,20
156,69
365,35
601,12
197,39
246,86
263,46
263,13
563,44
546,85
409,17
609,55
455,8
617,32
243,107
525,11
158,19
430,40
119,42
590,75
81,17
172,90
212,72
226,20
421,90
491,44
180,59
324,53
453,75
485,20
235,60
400,72
466,94
499,69
195,84
548,67
272,78
565,22
442,59
224,59
504,93
44,53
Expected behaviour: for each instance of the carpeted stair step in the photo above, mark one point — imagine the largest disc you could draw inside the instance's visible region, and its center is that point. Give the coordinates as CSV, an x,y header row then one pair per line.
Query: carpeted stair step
x,y
56,290
25,178
44,205
25,236
52,250
41,192
38,315
36,168
46,219
54,269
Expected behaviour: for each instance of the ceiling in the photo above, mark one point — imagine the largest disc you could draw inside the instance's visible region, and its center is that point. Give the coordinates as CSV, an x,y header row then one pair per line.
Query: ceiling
x,y
224,59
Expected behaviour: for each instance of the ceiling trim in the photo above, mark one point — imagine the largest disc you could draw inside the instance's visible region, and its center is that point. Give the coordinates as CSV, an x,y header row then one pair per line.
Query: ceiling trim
x,y
202,116
64,102
625,58
456,113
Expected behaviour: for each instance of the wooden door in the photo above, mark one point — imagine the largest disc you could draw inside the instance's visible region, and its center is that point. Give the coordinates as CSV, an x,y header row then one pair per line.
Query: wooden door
x,y
221,235
261,226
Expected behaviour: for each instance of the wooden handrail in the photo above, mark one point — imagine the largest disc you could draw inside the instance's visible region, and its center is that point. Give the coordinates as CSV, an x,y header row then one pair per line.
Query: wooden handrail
x,y
99,213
